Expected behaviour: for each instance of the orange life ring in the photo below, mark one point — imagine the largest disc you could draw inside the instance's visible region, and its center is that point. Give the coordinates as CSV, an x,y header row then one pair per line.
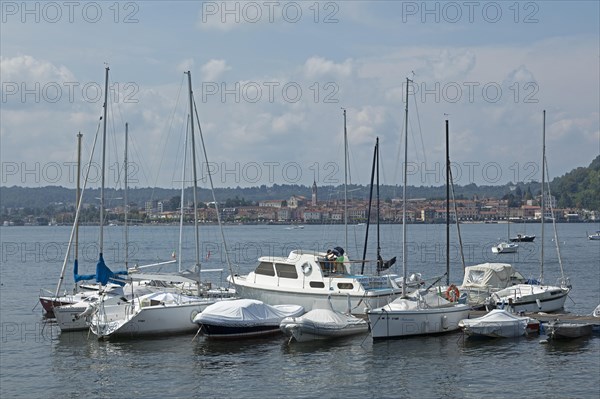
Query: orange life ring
x,y
452,293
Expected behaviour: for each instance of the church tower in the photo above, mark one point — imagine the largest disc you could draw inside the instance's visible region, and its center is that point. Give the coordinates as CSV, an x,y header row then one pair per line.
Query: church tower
x,y
314,194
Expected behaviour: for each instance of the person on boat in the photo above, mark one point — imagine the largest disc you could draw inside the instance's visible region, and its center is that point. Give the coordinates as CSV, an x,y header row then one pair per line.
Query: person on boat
x,y
330,263
339,260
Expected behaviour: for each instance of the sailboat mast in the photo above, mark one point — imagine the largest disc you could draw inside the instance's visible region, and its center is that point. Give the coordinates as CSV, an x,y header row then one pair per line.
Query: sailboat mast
x,y
448,205
125,198
543,200
345,184
379,259
195,178
78,191
404,191
101,243
182,202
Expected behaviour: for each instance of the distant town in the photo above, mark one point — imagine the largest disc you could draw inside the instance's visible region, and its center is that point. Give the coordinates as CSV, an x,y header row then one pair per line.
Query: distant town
x,y
298,209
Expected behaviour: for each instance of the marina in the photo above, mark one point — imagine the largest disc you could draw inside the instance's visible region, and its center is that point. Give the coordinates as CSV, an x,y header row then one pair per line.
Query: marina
x,y
35,347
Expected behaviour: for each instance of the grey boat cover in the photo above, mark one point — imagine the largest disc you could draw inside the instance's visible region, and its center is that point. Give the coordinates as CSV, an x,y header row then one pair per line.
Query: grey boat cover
x,y
246,312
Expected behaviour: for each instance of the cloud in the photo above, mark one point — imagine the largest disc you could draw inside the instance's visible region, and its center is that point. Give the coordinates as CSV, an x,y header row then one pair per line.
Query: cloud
x,y
449,66
316,67
29,69
213,69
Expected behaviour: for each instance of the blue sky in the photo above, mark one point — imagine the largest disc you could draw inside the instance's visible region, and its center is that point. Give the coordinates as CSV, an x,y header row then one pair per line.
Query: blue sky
x,y
270,79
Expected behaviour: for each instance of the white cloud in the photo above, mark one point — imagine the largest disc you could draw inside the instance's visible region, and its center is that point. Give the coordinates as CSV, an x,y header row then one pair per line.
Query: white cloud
x,y
316,67
29,69
213,69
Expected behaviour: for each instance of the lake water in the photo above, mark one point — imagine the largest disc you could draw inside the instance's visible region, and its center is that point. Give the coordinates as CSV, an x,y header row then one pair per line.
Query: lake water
x,y
36,360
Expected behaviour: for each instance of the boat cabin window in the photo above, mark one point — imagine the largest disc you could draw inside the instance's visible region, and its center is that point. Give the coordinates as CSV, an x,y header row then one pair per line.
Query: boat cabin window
x,y
345,286
317,284
265,268
286,271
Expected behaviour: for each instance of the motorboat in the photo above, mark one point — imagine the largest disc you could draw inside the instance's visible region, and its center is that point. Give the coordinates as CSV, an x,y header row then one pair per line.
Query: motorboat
x,y
308,279
505,248
595,236
499,323
422,313
243,318
522,238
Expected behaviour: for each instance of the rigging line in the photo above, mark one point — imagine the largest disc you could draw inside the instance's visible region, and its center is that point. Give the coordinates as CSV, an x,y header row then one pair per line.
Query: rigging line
x,y
181,148
166,139
460,243
420,130
212,188
562,273
143,164
77,214
398,167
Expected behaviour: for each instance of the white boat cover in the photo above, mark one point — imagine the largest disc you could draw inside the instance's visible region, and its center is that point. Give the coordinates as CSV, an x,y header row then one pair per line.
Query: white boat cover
x,y
494,275
419,300
246,312
168,298
497,317
329,318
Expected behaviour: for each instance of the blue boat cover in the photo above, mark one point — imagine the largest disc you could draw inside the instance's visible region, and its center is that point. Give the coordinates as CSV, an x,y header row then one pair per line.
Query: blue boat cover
x,y
104,275
81,277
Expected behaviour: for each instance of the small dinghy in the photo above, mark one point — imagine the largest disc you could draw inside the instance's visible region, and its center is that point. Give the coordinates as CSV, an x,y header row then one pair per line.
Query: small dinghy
x,y
567,330
243,318
499,323
322,324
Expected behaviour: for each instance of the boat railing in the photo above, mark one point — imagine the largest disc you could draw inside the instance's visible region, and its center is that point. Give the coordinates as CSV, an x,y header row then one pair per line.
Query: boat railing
x,y
374,282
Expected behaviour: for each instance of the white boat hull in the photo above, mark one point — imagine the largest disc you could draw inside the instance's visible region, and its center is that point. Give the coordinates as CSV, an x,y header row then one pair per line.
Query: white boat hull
x,y
531,298
505,248
71,318
402,323
131,319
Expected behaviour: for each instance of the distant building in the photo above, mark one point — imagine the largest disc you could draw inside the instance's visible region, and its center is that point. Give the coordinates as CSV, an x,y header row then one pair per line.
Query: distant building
x,y
271,204
296,201
314,193
151,207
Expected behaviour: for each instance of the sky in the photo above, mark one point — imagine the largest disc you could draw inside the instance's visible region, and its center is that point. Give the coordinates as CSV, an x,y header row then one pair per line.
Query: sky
x,y
270,81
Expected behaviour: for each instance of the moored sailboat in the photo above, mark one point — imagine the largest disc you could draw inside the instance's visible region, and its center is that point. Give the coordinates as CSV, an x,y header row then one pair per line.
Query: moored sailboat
x,y
536,297
163,312
424,312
